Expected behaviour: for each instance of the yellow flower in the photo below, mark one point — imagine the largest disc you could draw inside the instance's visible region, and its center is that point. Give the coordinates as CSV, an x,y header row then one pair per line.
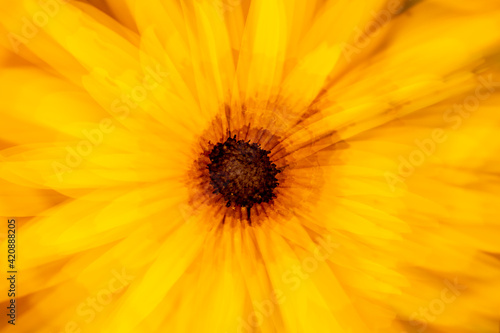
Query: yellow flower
x,y
251,166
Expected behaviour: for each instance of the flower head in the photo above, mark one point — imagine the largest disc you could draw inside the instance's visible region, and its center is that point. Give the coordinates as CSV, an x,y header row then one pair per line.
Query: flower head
x,y
252,166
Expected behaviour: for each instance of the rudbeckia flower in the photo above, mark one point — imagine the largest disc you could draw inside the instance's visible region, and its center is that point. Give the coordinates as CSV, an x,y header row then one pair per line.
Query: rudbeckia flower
x,y
250,166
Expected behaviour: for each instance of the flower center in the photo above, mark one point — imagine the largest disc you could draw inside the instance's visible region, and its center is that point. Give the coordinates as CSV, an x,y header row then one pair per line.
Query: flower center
x,y
242,173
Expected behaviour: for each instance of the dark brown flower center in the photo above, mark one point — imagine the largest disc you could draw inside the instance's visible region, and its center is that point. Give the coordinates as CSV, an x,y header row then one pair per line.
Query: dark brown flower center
x,y
242,173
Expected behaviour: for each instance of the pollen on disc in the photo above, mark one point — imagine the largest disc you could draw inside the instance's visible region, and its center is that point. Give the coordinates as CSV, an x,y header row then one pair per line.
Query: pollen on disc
x,y
242,173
